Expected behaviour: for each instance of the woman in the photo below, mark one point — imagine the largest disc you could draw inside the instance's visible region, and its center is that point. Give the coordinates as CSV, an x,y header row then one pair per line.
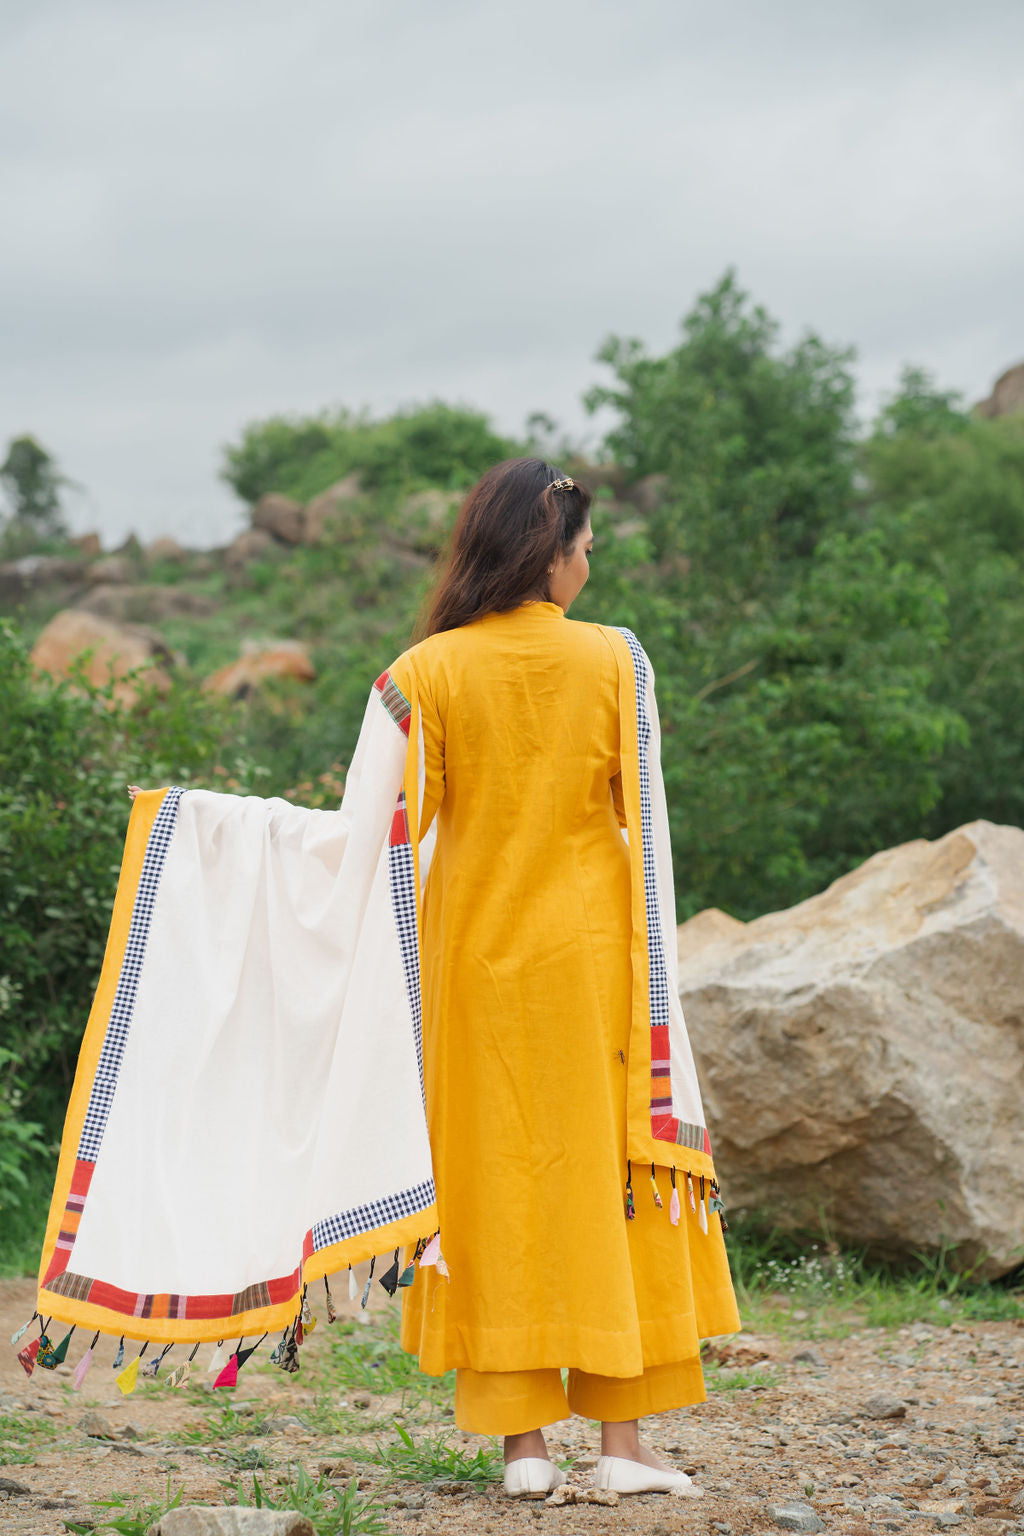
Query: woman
x,y
527,993
463,978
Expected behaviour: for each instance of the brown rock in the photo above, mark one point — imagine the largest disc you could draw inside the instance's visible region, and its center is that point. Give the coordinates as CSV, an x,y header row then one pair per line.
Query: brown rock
x,y
281,517
280,658
252,544
201,1520
113,651
333,514
136,604
32,572
861,1054
87,544
110,570
1007,397
166,549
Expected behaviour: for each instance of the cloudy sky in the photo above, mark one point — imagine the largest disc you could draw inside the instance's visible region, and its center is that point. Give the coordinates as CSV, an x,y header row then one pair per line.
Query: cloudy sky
x,y
220,209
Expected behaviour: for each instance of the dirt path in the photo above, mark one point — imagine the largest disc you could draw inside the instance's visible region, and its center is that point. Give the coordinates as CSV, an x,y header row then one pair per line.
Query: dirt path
x,y
885,1430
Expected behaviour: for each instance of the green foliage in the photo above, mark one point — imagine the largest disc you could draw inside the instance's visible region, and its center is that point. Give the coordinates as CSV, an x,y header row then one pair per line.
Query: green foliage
x,y
434,1459
137,1515
66,754
32,485
333,1511
434,444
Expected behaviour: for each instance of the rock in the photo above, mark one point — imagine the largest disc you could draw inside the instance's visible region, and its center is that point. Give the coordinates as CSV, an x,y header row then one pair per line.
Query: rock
x,y
426,519
251,545
259,660
111,569
31,572
332,513
87,544
606,1496
196,1520
810,1357
126,605
115,650
96,1425
166,549
859,1053
1007,397
794,1517
281,517
882,1407
564,1494
15,1489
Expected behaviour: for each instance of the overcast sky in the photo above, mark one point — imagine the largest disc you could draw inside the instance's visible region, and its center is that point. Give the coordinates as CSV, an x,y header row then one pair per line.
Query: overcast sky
x,y
212,211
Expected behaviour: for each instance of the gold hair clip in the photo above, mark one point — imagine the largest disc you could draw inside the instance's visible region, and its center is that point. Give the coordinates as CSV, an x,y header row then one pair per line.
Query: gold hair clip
x,y
563,485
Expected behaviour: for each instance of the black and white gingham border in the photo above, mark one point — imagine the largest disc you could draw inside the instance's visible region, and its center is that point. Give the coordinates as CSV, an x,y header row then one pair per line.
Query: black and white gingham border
x,y
116,1037
376,1213
655,941
402,880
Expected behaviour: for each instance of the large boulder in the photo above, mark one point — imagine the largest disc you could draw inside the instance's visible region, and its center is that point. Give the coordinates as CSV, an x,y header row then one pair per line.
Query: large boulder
x,y
251,544
166,549
862,1054
111,651
426,518
33,572
110,570
1007,397
261,660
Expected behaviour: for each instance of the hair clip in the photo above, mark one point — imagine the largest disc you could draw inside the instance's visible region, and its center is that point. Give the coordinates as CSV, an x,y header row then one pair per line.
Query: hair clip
x,y
563,485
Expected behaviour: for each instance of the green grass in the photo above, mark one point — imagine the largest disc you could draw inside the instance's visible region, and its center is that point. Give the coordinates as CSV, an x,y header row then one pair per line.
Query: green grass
x,y
332,1510
233,1421
135,1515
434,1459
22,1435
370,1358
810,1286
718,1378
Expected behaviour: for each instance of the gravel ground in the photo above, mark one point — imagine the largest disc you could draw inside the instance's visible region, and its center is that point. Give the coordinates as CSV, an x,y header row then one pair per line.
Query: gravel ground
x,y
905,1429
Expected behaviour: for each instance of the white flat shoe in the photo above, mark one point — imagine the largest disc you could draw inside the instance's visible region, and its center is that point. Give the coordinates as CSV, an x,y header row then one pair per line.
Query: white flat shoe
x,y
531,1477
621,1475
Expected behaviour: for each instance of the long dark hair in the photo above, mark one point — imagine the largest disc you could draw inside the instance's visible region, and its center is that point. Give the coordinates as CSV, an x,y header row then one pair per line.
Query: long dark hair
x,y
511,527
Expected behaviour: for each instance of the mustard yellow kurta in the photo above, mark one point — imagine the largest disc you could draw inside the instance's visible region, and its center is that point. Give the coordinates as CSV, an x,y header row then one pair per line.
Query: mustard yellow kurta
x,y
527,988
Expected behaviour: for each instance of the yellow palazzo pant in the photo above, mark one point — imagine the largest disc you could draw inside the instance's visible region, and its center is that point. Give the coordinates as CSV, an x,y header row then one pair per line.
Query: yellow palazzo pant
x,y
513,1402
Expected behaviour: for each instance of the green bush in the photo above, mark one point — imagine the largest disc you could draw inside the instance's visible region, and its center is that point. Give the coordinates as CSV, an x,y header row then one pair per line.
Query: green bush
x,y
67,752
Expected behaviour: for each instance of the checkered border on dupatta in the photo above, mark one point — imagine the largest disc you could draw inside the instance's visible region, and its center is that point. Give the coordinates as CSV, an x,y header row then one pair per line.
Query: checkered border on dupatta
x,y
116,1038
664,1125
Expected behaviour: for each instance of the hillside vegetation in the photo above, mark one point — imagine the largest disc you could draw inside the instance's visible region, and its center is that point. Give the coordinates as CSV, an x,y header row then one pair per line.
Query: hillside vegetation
x,y
834,617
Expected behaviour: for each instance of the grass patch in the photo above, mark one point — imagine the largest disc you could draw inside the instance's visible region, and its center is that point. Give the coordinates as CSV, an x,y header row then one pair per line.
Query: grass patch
x,y
807,1284
370,1358
22,1435
332,1511
134,1516
231,1423
724,1378
434,1459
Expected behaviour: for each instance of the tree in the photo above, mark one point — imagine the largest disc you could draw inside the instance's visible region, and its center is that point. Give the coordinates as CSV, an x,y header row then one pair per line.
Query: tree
x,y
32,487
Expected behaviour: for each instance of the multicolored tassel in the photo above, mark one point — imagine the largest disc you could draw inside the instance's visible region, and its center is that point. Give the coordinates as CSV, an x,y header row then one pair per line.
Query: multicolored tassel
x,y
242,1355
366,1288
353,1284
431,1252
50,1355
219,1360
27,1356
408,1275
673,1205
118,1356
180,1375
153,1367
703,1215
630,1206
657,1197
689,1191
441,1266
286,1354
715,1204
82,1368
20,1333
306,1312
332,1316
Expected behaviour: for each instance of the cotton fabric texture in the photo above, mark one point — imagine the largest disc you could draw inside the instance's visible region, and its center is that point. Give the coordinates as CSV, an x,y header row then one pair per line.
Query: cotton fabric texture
x,y
449,1004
